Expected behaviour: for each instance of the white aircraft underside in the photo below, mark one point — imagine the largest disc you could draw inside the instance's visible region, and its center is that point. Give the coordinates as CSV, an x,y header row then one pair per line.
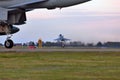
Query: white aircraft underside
x,y
13,12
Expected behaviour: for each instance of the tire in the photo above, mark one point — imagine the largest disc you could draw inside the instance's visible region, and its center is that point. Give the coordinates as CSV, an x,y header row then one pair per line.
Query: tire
x,y
8,44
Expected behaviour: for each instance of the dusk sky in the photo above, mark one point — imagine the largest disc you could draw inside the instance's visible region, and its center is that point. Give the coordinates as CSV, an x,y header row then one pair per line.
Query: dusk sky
x,y
97,20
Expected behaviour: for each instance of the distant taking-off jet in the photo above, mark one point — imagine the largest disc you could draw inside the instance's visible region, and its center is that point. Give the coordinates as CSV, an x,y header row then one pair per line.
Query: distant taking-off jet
x,y
61,38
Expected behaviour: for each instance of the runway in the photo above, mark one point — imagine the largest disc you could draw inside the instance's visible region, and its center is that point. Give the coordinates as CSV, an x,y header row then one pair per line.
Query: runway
x,y
63,50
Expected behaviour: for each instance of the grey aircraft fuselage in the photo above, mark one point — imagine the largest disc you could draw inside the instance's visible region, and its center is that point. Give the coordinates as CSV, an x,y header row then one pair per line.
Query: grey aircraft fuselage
x,y
45,4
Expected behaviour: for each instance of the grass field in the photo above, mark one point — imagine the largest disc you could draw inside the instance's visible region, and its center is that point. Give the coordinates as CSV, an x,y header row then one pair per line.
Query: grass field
x,y
60,66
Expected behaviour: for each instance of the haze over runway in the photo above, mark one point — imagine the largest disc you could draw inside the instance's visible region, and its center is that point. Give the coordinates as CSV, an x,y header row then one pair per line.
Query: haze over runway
x,y
97,20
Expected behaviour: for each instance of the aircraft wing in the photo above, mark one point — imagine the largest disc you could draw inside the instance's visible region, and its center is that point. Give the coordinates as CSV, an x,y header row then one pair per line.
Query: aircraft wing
x,y
27,3
66,39
57,39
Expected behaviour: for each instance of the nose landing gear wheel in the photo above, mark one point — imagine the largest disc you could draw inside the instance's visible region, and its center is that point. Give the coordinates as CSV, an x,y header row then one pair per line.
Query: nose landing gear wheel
x,y
9,43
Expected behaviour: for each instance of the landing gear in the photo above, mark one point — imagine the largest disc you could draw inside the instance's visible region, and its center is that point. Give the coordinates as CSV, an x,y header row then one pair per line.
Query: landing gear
x,y
8,43
8,29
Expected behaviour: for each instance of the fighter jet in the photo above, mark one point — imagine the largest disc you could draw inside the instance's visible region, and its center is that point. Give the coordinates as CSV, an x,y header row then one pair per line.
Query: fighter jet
x,y
13,12
61,38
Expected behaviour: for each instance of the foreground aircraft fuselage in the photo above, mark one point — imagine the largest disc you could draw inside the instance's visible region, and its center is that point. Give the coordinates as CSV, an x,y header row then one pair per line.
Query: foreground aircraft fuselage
x,y
13,12
50,4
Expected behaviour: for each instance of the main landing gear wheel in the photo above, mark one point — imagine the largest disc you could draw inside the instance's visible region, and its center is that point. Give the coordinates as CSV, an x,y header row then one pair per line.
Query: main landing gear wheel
x,y
8,43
